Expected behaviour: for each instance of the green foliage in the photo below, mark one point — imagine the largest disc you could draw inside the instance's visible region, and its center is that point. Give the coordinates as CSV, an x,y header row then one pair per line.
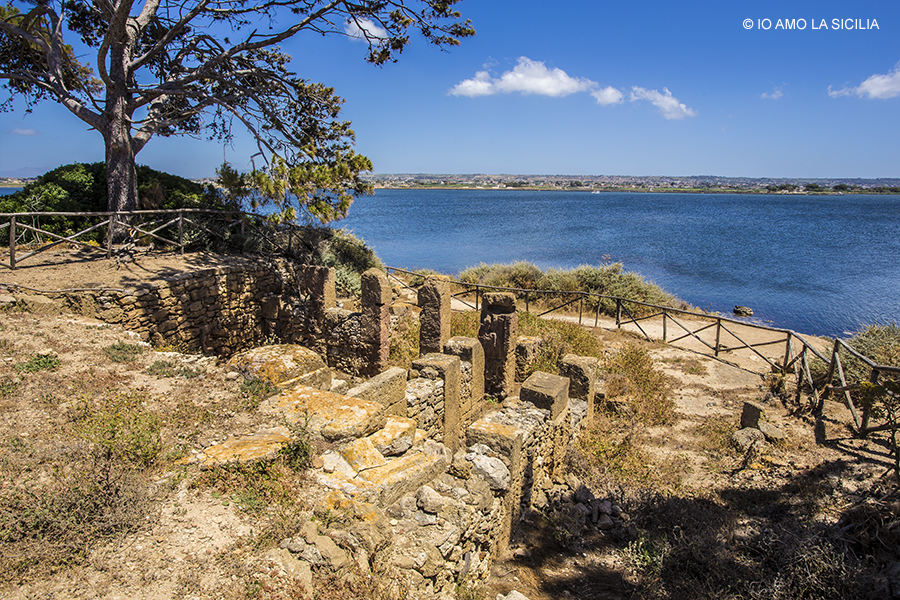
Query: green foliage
x,y
120,352
558,338
167,368
39,362
8,387
257,390
404,341
646,389
124,428
605,279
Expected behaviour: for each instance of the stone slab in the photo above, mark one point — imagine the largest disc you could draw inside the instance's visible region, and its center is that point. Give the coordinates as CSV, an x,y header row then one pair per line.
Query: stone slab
x,y
546,391
405,474
281,363
396,437
361,454
387,388
262,445
333,416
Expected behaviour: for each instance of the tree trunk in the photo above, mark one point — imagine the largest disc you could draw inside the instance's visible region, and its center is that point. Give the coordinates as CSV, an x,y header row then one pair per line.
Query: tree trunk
x,y
121,175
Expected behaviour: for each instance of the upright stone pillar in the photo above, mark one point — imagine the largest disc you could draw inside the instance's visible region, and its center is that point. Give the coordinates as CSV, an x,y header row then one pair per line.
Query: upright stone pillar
x,y
471,356
434,320
497,334
376,320
582,374
319,283
445,368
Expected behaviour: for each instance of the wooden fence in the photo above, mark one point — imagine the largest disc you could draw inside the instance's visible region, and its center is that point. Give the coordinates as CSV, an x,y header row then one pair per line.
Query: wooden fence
x,y
792,351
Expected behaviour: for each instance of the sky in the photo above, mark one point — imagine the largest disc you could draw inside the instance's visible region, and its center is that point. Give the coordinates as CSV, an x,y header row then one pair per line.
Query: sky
x,y
806,89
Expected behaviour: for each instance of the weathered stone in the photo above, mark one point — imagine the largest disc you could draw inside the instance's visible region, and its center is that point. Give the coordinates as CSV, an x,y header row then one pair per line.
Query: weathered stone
x,y
429,500
502,439
244,449
405,474
582,374
293,567
376,320
332,416
376,289
283,365
513,595
361,454
335,558
497,333
469,350
270,307
745,439
387,388
447,368
773,434
494,472
434,319
546,391
39,304
396,437
752,414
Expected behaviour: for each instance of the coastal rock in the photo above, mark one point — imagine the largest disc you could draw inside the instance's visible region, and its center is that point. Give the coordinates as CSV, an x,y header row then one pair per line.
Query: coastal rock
x,y
743,311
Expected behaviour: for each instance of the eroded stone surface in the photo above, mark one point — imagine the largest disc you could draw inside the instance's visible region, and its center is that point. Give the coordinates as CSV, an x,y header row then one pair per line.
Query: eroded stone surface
x,y
249,448
333,416
396,437
283,365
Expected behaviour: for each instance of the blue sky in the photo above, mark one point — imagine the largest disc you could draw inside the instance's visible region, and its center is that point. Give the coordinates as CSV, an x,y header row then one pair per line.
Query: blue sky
x,y
586,87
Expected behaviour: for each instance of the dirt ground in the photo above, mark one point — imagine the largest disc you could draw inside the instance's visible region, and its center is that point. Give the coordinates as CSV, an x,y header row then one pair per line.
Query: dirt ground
x,y
197,543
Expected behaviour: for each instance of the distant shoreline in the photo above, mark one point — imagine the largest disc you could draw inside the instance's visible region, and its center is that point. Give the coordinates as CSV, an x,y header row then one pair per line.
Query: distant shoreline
x,y
758,191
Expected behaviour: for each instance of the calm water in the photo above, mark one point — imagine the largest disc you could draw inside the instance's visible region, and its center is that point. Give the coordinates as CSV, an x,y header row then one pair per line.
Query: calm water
x,y
824,265
816,264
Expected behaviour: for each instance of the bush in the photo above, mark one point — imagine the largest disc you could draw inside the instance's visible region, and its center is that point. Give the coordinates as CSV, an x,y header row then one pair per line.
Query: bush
x,y
123,428
646,389
606,279
120,352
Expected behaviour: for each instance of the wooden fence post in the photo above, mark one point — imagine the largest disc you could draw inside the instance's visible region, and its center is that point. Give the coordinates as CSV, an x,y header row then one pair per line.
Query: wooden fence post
x,y
718,334
181,230
619,313
664,324
580,307
526,301
597,316
787,352
109,234
12,243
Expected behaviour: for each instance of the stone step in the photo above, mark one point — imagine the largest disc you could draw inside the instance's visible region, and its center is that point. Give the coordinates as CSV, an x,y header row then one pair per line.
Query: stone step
x,y
262,445
332,416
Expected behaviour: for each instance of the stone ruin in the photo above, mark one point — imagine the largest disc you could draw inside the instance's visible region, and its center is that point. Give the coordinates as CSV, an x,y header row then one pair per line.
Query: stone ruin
x,y
426,475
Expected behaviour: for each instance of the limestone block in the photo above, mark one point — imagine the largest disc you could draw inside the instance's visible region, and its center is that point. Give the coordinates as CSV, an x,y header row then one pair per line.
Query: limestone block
x,y
447,369
752,414
396,437
270,306
320,285
244,449
527,347
469,350
375,288
332,416
546,391
582,374
494,472
744,439
434,318
502,439
293,567
497,333
403,475
282,363
387,388
361,454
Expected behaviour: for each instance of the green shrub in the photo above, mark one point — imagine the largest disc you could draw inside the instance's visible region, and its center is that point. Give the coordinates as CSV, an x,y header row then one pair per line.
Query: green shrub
x,y
120,352
257,390
646,389
39,362
124,428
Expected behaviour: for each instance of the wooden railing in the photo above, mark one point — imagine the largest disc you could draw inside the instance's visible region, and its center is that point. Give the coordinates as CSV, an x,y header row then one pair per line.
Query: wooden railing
x,y
123,229
794,352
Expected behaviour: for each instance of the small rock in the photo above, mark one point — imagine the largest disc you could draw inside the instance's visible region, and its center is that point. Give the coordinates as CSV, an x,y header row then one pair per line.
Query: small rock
x,y
746,438
743,311
493,470
773,434
605,522
429,500
232,375
513,595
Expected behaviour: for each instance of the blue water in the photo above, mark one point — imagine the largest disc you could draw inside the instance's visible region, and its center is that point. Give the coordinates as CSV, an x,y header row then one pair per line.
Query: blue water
x,y
823,265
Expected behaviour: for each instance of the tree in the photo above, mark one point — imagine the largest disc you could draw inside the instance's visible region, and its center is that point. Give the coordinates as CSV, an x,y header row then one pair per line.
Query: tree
x,y
180,67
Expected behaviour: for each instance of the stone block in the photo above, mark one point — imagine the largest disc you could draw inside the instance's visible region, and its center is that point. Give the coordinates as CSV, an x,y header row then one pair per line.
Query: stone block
x,y
582,374
505,440
376,290
361,454
434,318
752,414
387,388
445,368
332,416
527,347
497,333
400,476
245,449
546,391
396,437
469,350
282,365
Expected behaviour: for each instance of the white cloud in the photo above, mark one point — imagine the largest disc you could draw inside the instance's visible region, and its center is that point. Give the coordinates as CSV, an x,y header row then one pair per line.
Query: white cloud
x,y
667,104
608,95
24,132
362,29
528,77
880,87
775,95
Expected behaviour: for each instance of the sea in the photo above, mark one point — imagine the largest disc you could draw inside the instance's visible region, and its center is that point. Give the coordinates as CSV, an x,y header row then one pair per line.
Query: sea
x,y
822,265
